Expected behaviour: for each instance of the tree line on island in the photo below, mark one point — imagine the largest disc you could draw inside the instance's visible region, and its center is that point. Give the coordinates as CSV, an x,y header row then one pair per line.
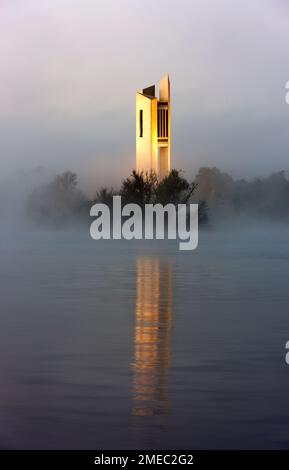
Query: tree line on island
x,y
217,193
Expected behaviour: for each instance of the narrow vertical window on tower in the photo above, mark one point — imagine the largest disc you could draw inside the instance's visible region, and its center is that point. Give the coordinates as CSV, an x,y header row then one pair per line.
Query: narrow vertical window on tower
x,y
141,123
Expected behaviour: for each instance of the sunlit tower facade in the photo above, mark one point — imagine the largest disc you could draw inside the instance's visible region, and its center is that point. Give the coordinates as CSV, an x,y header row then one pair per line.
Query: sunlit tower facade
x,y
153,129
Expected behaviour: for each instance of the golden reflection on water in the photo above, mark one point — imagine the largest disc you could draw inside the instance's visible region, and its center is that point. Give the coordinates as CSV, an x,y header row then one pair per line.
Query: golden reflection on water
x,y
152,340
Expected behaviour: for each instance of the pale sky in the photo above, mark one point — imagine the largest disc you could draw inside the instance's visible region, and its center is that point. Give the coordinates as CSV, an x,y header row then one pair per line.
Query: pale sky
x,y
69,70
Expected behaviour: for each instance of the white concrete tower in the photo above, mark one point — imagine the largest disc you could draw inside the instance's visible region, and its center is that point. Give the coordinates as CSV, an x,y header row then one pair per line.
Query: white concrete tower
x,y
153,129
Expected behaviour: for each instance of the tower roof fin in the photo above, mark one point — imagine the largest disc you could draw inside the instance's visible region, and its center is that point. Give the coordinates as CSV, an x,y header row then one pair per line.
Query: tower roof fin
x,y
149,91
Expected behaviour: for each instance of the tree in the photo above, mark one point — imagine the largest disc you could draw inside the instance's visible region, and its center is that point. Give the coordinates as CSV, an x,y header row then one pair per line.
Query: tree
x,y
104,196
214,186
57,202
174,189
139,188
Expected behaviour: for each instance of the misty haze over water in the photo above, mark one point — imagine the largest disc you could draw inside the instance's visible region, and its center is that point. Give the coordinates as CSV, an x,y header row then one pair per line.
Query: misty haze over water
x,y
138,345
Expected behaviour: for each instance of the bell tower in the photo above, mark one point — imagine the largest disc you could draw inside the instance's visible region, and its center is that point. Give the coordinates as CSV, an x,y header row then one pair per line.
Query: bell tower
x,y
153,129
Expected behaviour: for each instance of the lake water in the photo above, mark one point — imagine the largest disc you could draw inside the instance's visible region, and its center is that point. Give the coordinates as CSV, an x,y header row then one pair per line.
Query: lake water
x,y
139,345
